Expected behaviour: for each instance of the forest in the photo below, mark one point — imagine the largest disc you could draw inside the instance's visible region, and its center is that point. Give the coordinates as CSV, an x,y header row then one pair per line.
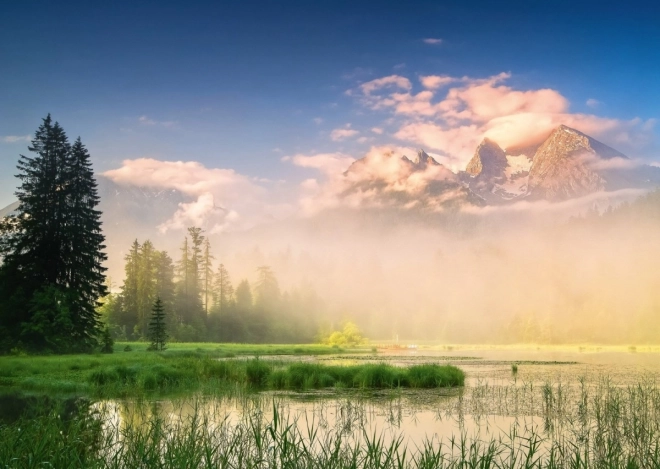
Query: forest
x,y
201,303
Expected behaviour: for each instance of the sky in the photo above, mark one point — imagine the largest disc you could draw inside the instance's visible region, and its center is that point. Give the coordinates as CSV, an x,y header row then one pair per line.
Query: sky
x,y
251,98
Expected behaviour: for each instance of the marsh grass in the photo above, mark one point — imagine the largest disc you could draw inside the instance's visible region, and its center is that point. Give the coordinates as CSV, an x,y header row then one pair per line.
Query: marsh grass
x,y
138,373
132,367
599,426
303,376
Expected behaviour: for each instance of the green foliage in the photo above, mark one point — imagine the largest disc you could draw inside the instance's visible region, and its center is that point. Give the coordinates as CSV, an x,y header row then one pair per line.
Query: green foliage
x,y
349,335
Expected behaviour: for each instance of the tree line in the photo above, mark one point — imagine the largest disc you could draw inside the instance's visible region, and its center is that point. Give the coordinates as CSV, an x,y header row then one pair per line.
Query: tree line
x,y
199,301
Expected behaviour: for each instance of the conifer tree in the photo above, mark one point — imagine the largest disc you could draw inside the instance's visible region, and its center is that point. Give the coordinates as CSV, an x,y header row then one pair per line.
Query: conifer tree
x,y
157,328
165,280
146,286
189,295
207,275
223,290
52,274
130,288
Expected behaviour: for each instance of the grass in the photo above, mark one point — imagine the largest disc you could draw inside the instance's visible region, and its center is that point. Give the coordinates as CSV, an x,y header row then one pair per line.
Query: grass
x,y
601,426
302,376
65,374
139,372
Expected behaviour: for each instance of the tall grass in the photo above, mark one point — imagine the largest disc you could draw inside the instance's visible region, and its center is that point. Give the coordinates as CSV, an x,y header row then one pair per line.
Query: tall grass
x,y
602,426
134,374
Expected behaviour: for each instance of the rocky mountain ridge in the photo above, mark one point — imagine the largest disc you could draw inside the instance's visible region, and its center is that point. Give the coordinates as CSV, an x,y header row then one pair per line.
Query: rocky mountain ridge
x,y
567,164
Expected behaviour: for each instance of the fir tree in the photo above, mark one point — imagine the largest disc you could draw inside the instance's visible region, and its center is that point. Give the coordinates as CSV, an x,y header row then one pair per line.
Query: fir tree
x,y
146,286
83,242
223,291
207,275
54,250
165,280
107,342
130,289
157,329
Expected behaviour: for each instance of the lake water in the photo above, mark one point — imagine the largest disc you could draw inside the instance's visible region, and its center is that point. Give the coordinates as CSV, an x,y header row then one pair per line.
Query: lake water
x,y
550,392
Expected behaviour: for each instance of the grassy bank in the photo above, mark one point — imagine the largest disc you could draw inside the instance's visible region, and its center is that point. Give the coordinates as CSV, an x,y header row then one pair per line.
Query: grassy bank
x,y
138,372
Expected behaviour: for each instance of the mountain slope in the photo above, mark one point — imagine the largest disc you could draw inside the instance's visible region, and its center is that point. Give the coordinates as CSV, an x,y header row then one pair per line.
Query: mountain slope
x,y
564,166
9,209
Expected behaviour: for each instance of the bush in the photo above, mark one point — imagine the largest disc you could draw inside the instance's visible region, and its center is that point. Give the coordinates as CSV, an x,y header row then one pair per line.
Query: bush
x,y
349,335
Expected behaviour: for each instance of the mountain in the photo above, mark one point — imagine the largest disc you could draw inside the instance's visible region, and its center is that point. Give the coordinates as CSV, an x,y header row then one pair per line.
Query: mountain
x,y
496,176
564,166
386,180
568,164
9,209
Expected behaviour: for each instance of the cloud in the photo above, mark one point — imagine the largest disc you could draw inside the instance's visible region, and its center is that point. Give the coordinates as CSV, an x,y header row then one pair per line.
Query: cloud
x,y
377,130
328,163
318,120
433,82
16,138
593,103
221,198
432,41
395,81
454,121
144,120
342,134
383,178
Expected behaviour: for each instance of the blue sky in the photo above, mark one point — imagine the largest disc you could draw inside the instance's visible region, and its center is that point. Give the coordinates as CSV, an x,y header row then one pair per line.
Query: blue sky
x,y
240,85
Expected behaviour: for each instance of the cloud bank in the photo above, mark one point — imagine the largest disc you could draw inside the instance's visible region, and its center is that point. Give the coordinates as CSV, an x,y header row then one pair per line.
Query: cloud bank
x,y
222,199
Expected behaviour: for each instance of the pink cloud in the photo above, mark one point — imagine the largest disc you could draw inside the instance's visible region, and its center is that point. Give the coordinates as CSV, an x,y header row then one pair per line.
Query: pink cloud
x,y
455,122
328,163
396,81
343,133
433,82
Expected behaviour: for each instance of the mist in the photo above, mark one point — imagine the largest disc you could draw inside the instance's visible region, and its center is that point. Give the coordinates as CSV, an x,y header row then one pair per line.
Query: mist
x,y
581,271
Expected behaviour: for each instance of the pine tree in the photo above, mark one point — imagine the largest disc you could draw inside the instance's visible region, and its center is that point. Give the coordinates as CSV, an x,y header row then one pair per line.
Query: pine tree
x,y
130,289
207,276
52,274
107,342
83,241
244,297
146,286
165,280
189,294
223,290
267,290
157,330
